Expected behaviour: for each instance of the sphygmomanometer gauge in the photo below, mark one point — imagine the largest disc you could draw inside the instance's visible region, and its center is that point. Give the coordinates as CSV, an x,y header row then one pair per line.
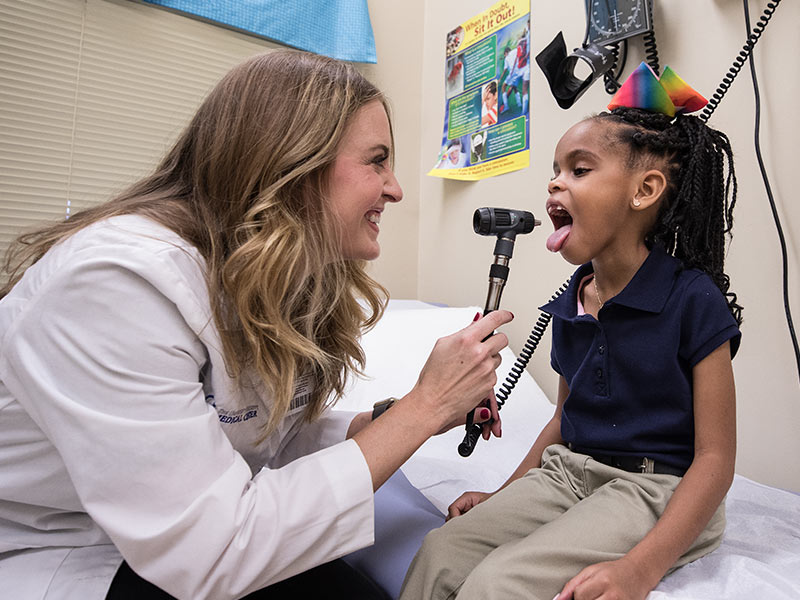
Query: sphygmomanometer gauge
x,y
610,21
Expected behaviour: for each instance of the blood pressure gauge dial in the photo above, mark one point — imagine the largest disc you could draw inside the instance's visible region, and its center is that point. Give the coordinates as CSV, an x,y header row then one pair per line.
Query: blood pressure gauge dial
x,y
610,21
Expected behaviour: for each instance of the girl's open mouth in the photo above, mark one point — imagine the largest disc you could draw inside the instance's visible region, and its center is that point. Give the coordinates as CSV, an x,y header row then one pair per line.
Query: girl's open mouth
x,y
562,222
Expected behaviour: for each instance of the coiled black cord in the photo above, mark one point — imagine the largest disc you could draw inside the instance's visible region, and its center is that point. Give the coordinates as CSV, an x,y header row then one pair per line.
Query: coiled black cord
x,y
651,51
527,352
611,79
738,63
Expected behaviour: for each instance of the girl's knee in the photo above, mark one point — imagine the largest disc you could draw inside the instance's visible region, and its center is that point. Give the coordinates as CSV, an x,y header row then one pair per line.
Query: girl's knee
x,y
437,546
438,569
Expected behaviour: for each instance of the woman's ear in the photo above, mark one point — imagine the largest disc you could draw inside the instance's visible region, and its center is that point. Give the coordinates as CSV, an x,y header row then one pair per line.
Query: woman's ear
x,y
651,187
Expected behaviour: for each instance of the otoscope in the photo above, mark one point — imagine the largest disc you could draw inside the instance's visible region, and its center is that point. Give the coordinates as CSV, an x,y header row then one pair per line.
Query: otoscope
x,y
505,223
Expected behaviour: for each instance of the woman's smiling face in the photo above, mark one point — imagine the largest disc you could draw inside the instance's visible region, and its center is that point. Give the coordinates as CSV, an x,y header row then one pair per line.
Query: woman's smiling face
x,y
362,182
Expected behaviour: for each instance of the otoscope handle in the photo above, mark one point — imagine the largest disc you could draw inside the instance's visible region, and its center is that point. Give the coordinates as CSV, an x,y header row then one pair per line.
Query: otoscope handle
x,y
473,430
471,437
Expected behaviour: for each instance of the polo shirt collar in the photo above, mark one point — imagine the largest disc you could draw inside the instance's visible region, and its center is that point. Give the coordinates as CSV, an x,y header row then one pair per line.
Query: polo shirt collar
x,y
648,290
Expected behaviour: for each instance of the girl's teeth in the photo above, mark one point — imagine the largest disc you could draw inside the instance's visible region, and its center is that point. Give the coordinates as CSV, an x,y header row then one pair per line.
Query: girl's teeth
x,y
374,217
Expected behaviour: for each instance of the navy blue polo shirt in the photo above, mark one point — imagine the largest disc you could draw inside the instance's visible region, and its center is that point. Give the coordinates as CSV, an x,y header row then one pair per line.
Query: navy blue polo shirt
x,y
630,372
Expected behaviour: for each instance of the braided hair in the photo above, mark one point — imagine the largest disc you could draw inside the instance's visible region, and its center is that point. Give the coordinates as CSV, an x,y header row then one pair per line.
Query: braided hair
x,y
696,211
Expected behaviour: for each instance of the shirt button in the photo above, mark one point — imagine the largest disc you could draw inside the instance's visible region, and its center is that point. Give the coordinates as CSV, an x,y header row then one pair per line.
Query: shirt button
x,y
599,373
601,349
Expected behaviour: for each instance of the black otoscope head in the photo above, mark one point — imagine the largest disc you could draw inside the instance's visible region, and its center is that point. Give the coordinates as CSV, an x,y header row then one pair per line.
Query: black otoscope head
x,y
506,222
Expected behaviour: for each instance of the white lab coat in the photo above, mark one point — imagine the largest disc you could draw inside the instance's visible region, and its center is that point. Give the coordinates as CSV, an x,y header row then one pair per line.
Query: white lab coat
x,y
121,435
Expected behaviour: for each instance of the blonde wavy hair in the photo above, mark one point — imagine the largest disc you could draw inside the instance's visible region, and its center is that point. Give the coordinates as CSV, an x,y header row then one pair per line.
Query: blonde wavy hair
x,y
246,185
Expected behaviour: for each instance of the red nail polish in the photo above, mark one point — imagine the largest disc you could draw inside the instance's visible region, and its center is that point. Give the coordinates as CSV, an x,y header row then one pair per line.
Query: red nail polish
x,y
485,413
477,316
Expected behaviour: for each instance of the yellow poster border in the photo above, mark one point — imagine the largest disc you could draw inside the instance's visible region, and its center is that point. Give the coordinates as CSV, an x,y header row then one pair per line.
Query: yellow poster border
x,y
494,18
498,166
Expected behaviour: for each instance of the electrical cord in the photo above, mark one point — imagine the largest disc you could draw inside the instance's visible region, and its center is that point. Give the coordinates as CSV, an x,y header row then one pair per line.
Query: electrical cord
x,y
610,79
738,63
651,51
767,186
527,351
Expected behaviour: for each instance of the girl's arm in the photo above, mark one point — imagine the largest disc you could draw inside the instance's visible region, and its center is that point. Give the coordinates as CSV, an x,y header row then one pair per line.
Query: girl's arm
x,y
550,434
694,501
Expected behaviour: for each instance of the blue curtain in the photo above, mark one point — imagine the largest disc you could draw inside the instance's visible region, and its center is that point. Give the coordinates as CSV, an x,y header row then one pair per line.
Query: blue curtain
x,y
337,28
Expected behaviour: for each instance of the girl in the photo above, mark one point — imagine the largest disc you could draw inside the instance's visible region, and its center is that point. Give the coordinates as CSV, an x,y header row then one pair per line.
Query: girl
x,y
167,359
626,481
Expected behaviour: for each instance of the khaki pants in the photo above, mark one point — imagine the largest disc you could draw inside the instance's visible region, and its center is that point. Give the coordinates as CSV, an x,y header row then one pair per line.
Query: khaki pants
x,y
530,539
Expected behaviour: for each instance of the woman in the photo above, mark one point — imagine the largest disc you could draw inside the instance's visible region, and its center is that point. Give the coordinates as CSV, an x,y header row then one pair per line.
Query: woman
x,y
168,358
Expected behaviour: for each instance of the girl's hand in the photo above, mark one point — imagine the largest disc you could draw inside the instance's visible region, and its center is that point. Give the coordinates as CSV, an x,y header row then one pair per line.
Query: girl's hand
x,y
614,580
465,502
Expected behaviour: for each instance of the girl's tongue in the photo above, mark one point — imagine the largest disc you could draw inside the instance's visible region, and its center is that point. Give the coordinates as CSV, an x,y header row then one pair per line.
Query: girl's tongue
x,y
556,240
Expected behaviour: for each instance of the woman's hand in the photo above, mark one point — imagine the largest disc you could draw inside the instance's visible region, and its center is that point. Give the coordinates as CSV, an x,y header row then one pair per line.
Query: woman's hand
x,y
459,374
465,502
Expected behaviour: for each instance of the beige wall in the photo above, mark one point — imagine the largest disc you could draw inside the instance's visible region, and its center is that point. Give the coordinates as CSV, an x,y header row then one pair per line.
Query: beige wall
x,y
431,253
398,28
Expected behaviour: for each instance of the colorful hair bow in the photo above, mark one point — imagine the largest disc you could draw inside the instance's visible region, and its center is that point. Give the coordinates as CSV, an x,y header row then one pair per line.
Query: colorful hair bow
x,y
668,95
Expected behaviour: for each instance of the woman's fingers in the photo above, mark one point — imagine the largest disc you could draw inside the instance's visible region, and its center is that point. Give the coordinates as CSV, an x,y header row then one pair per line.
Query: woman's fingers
x,y
486,325
495,426
481,414
495,344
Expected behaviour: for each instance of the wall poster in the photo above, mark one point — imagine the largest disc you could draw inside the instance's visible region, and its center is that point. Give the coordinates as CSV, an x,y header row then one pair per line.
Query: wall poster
x,y
487,91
